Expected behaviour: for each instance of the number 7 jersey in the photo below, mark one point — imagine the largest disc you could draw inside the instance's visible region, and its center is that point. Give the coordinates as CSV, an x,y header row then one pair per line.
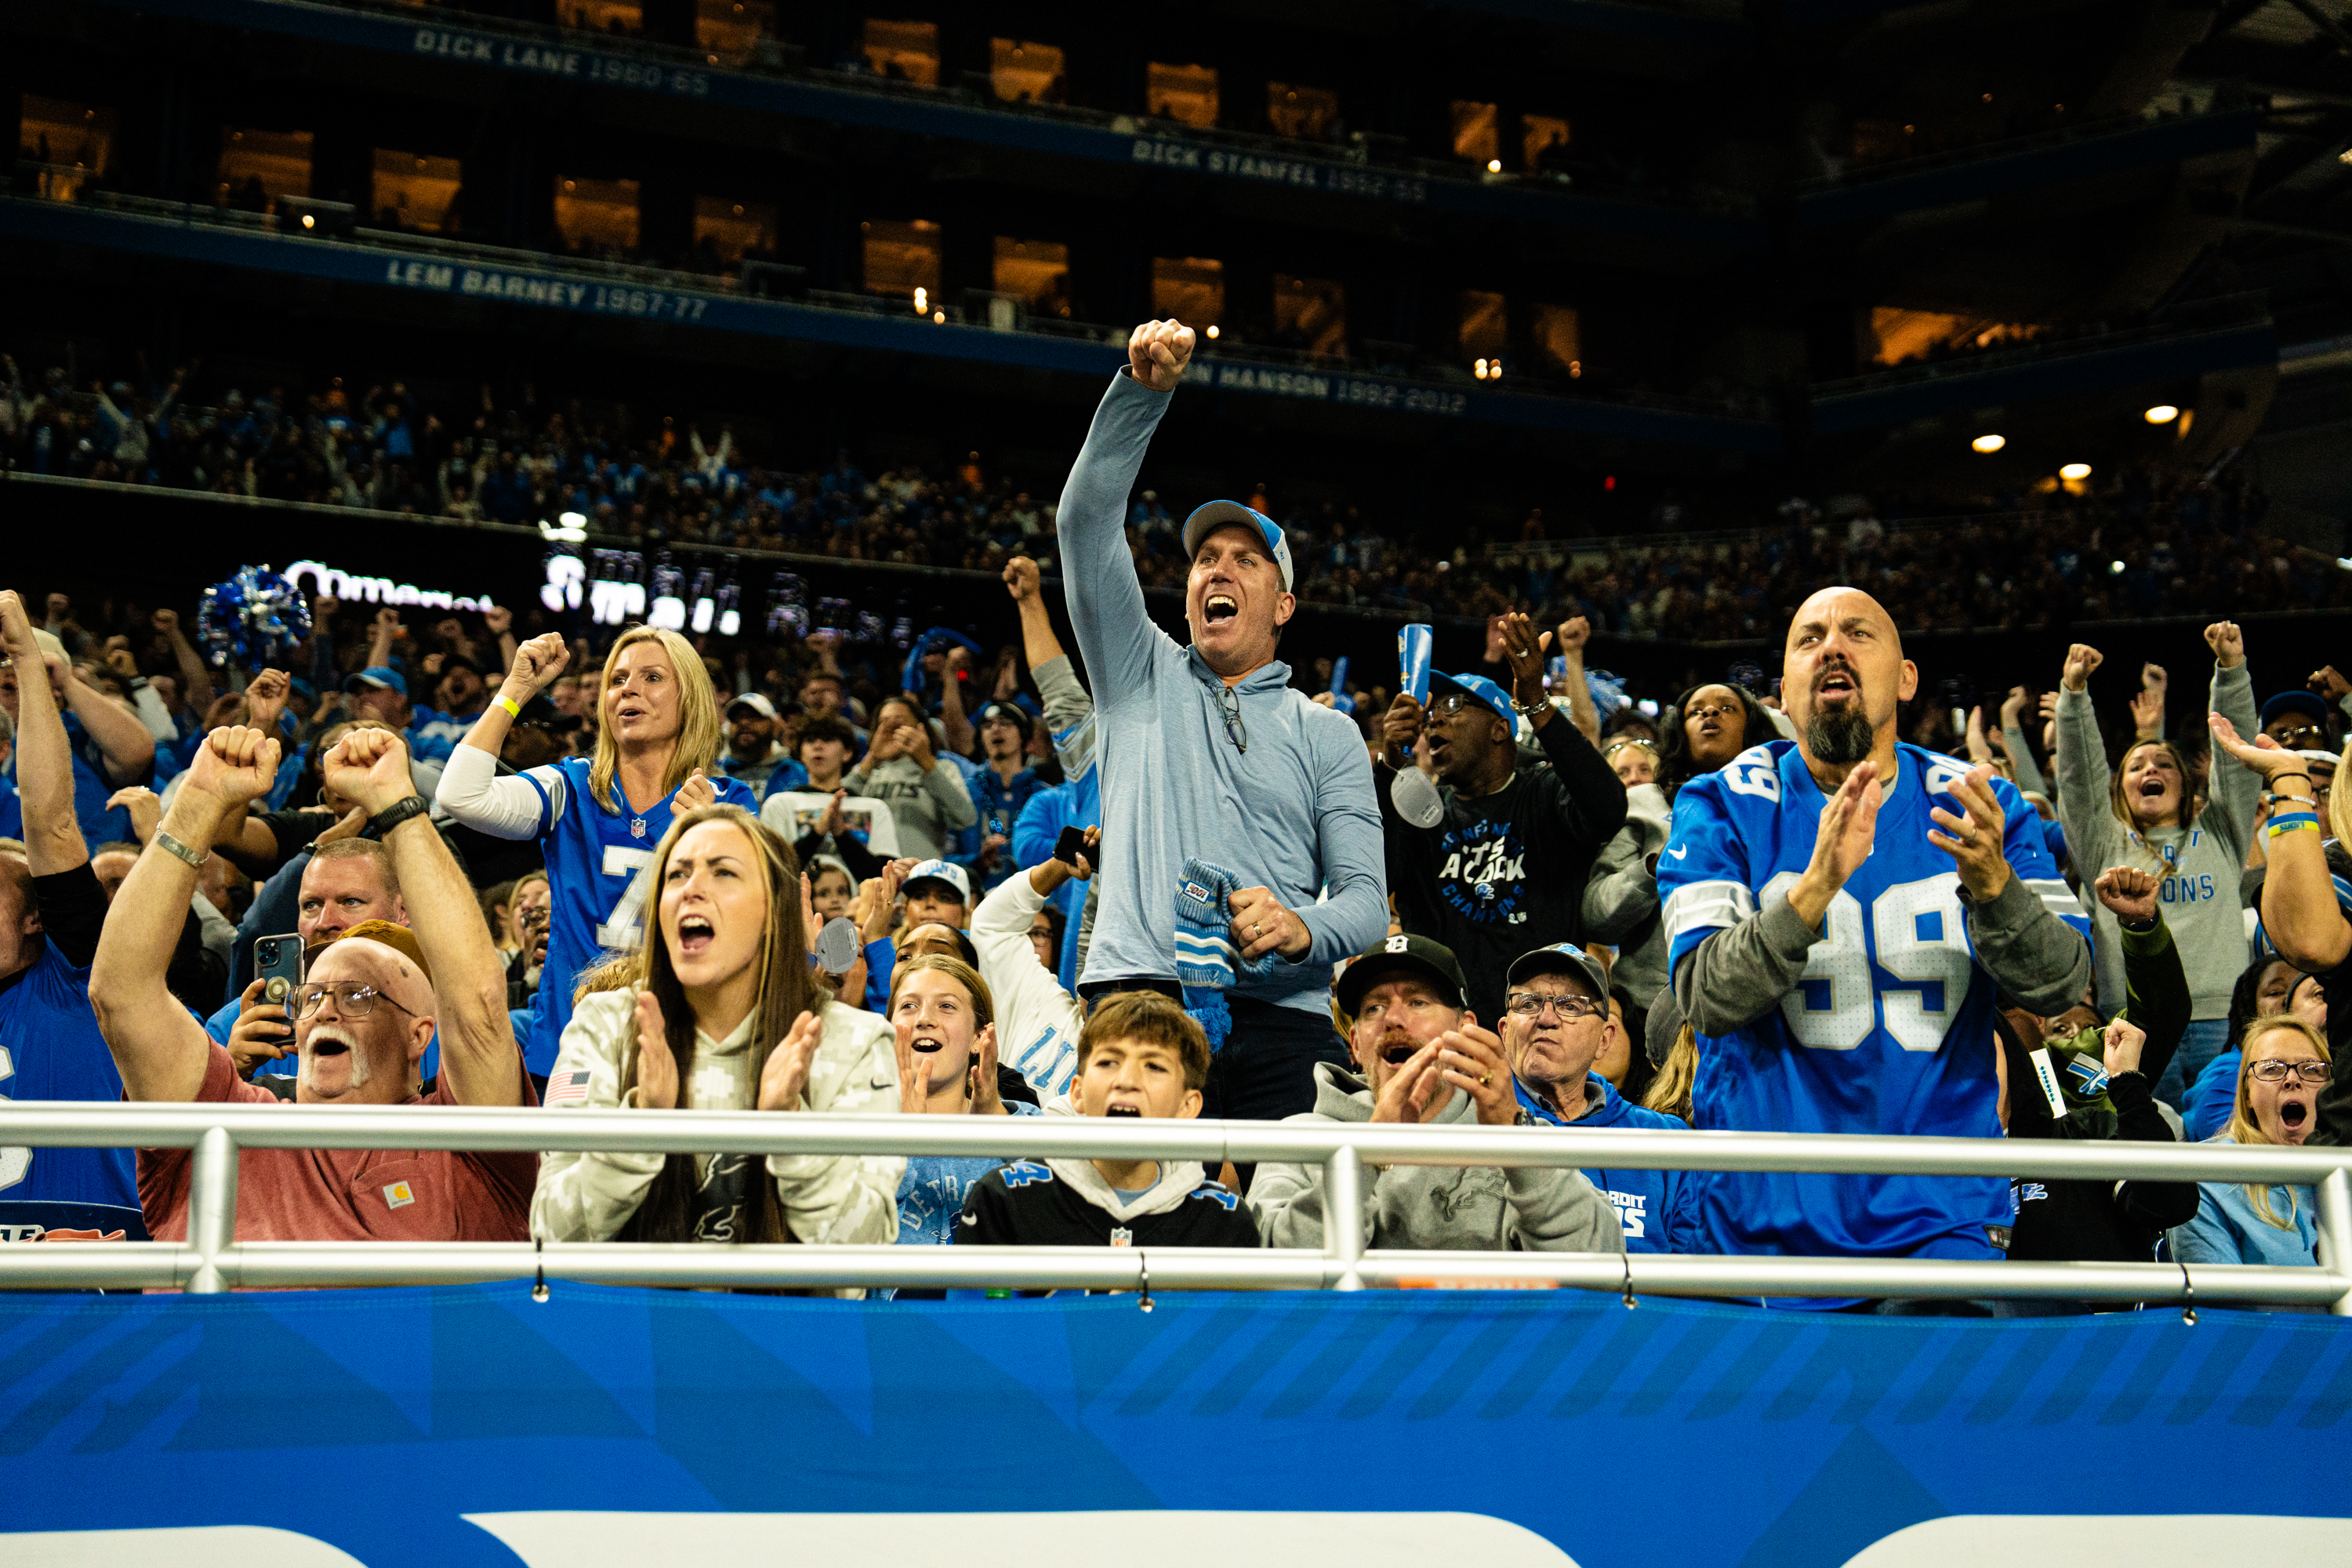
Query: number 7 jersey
x,y
1890,1028
599,876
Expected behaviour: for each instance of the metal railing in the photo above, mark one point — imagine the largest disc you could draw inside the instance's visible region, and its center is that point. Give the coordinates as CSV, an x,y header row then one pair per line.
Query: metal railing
x,y
212,1259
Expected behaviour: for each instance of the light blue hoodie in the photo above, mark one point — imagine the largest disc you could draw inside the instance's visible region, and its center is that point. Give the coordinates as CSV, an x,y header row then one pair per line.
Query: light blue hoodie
x,y
1296,813
2227,1228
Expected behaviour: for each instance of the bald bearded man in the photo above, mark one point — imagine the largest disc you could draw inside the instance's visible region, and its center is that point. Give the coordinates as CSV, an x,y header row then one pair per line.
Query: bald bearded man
x,y
1840,913
363,1018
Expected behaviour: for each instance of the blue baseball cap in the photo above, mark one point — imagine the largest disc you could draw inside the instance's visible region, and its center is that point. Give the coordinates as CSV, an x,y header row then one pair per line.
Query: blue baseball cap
x,y
1216,514
1478,687
381,677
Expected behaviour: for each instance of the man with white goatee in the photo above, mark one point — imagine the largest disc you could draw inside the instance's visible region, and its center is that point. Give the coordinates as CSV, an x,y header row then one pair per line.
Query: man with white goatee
x,y
1230,801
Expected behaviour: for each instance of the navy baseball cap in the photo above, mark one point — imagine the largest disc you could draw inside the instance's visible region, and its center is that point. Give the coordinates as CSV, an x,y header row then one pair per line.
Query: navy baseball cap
x,y
1206,519
1478,687
378,677
2310,703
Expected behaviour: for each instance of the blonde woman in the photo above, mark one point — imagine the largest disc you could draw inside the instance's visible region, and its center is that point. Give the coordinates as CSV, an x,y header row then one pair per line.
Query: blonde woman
x,y
2144,814
597,819
719,1010
2286,1065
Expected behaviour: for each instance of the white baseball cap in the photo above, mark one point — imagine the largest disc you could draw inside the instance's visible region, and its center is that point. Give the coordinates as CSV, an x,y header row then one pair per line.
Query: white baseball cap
x,y
946,871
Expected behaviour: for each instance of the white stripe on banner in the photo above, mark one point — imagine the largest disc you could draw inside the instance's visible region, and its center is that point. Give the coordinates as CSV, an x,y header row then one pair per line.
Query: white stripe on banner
x,y
1706,906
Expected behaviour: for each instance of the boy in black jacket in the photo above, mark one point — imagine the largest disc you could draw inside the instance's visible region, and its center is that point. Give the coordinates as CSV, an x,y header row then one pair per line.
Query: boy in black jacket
x,y
1138,1055
2101,1078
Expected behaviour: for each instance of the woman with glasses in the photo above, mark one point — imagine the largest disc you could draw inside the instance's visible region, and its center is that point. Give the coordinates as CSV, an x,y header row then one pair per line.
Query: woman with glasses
x,y
2142,814
718,1009
2287,1065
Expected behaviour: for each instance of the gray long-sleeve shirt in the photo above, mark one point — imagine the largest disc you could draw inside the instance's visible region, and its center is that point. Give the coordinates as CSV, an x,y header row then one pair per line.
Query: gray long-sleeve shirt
x,y
1295,813
926,807
2199,865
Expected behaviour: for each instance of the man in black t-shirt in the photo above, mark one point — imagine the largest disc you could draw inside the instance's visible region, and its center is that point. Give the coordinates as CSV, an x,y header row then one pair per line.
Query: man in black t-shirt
x,y
1503,870
1139,1055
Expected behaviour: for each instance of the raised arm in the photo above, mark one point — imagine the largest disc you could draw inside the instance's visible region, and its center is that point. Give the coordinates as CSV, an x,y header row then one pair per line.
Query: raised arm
x,y
53,840
196,680
159,1047
122,735
1570,638
2300,913
2094,838
954,723
2234,792
469,984
471,792
1099,581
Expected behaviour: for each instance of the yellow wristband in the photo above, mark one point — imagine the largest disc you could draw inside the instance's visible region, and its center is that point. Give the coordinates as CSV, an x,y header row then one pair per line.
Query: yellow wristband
x,y
513,708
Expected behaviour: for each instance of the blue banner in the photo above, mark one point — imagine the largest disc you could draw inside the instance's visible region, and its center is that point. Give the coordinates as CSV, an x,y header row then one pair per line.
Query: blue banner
x,y
474,1426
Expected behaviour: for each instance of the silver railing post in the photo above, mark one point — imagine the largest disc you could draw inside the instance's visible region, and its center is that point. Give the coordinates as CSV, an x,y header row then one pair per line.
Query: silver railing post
x,y
1343,1216
2335,1234
212,1209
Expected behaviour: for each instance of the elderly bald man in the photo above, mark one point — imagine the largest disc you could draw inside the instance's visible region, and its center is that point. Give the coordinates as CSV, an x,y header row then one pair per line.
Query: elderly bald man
x,y
365,1014
1842,912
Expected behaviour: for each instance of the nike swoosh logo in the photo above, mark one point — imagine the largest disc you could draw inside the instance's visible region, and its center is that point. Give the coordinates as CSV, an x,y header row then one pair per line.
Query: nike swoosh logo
x,y
1677,853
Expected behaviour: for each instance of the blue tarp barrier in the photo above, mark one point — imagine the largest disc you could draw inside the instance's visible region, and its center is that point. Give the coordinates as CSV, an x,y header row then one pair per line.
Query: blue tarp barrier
x,y
475,1426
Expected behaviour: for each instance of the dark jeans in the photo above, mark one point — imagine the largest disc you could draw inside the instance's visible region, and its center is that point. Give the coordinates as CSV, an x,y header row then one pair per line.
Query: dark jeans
x,y
1267,1070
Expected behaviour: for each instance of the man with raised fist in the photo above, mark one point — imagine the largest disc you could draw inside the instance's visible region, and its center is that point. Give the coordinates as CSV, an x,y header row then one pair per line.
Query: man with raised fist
x,y
1230,801
368,1004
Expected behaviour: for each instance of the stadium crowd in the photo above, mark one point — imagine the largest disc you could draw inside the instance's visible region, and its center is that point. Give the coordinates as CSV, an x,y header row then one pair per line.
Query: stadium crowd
x,y
2138,543
484,863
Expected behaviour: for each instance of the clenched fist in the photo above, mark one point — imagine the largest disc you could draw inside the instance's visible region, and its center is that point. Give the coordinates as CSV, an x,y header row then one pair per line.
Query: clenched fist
x,y
1158,352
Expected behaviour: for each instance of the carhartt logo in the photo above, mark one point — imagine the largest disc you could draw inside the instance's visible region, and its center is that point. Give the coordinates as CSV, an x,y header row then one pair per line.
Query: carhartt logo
x,y
398,1197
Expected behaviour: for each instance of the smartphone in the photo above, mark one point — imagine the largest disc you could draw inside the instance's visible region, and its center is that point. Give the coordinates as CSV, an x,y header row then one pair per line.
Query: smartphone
x,y
1073,844
278,963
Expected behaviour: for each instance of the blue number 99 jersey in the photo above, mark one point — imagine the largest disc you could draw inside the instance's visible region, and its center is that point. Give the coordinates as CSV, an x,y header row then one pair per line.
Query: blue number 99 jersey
x,y
1890,1028
599,866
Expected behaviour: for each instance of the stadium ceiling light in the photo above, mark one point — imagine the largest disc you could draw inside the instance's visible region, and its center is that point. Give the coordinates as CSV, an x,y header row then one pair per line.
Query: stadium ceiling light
x,y
2115,568
1989,442
2162,414
1212,331
1493,165
2075,472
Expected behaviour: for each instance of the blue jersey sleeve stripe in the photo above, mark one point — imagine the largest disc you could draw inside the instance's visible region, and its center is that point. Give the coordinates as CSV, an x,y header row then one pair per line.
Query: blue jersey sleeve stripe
x,y
549,805
1705,906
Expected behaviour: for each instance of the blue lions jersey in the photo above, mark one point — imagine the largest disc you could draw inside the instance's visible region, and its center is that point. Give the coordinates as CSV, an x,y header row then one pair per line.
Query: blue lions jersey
x,y
1890,1028
598,875
50,1050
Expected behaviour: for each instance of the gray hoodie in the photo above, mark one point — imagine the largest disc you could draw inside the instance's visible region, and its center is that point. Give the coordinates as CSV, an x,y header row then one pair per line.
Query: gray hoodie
x,y
1295,814
2199,865
1435,1208
1621,899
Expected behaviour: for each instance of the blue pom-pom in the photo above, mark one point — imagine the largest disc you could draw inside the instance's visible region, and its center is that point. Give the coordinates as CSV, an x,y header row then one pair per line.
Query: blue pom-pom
x,y
253,620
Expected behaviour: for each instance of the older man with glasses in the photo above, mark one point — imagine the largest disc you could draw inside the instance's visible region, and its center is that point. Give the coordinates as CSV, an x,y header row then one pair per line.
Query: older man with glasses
x,y
361,1021
1556,1025
1423,1059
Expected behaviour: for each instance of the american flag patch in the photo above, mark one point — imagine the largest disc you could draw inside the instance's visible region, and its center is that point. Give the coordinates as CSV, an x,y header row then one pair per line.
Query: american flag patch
x,y
566,1087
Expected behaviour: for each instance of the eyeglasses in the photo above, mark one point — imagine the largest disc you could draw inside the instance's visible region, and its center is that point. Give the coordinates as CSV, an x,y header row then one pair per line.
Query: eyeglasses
x,y
2276,1071
352,1001
2299,731
1531,1005
1229,705
1452,702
